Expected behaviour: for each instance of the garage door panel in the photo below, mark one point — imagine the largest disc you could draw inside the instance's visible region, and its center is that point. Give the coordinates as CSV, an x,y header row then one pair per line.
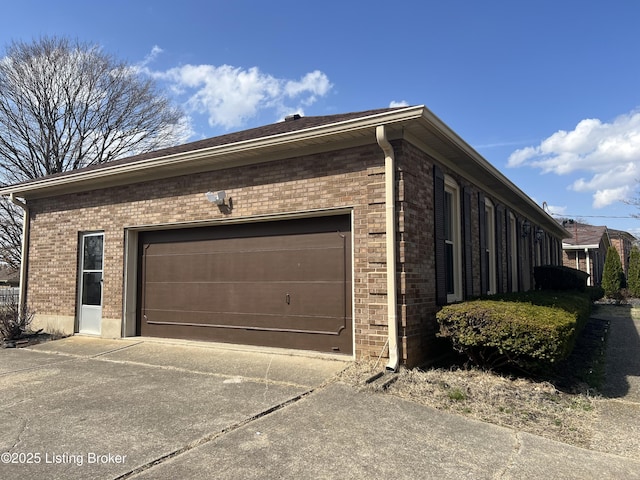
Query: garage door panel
x,y
168,242
269,298
169,320
339,343
263,265
285,284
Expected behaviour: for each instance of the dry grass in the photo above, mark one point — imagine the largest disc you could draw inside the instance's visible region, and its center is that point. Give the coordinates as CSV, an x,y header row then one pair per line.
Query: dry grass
x,y
526,405
562,408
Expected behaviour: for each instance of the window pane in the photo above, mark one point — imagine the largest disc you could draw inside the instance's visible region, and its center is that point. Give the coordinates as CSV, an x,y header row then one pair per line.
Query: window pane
x,y
450,272
448,216
92,253
91,288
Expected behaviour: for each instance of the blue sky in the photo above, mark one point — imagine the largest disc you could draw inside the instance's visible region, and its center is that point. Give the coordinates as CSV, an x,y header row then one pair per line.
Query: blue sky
x,y
547,91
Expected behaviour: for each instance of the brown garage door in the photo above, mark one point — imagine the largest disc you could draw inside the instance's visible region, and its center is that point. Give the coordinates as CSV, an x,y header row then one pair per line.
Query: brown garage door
x,y
282,283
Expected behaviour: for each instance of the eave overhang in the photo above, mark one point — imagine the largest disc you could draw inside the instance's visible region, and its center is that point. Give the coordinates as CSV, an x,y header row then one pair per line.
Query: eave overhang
x,y
567,246
415,124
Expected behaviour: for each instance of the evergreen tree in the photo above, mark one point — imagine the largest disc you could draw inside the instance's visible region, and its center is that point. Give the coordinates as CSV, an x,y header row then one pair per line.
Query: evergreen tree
x,y
633,281
612,276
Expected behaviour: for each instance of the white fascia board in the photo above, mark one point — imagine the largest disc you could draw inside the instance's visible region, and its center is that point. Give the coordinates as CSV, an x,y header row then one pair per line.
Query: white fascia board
x,y
567,246
489,169
261,144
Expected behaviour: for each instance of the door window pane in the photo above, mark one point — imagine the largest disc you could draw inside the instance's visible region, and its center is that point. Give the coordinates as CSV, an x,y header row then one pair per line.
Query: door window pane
x,y
93,252
91,288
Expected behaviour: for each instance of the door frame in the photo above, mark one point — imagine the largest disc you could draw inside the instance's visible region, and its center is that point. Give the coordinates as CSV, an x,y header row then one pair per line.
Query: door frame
x,y
89,310
132,267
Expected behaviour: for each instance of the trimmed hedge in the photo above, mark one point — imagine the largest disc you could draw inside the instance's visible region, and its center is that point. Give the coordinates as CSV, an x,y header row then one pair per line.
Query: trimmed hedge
x,y
530,330
558,277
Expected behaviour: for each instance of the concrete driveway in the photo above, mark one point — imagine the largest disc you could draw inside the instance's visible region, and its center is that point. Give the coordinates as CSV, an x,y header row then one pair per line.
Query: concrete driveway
x,y
93,408
116,409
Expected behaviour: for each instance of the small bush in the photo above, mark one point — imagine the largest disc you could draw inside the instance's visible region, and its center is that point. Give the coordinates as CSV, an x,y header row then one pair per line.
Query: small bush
x,y
530,330
557,277
14,322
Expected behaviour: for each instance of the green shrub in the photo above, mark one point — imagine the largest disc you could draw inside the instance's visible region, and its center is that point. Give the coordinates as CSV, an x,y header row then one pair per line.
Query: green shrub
x,y
612,275
633,281
558,277
530,330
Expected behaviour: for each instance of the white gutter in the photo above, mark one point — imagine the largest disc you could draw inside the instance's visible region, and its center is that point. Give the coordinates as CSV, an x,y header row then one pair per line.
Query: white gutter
x,y
586,251
392,305
23,253
220,153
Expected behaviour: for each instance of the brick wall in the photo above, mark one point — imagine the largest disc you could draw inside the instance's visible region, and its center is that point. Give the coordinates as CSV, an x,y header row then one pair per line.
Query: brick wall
x,y
349,178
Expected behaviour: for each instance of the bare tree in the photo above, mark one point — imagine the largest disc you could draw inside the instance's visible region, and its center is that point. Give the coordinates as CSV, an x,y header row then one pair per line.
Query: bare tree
x,y
65,105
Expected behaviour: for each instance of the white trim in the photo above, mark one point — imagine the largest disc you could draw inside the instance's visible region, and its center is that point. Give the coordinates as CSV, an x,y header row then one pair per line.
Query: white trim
x,y
220,154
131,240
353,284
451,187
82,308
566,246
268,217
416,124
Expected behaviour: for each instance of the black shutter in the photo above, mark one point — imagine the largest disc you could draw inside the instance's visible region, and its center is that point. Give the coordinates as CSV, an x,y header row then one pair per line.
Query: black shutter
x,y
439,234
468,250
483,245
499,247
519,254
509,247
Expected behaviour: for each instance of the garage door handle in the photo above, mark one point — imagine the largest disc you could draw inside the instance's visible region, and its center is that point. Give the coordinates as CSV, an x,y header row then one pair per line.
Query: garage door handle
x,y
287,298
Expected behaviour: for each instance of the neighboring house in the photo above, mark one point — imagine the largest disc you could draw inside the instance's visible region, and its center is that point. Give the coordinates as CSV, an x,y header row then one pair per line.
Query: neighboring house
x,y
586,250
623,241
341,233
9,277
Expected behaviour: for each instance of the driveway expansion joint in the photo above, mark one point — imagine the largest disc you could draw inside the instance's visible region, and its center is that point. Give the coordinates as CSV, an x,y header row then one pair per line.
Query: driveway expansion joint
x,y
213,436
124,347
515,453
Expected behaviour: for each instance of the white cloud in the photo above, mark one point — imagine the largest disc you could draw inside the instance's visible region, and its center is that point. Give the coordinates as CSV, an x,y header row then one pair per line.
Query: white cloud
x,y
556,210
230,96
608,152
401,103
155,52
607,196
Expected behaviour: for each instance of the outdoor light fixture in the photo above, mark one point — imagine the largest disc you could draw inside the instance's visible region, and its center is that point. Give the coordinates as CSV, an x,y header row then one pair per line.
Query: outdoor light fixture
x,y
216,197
526,228
539,234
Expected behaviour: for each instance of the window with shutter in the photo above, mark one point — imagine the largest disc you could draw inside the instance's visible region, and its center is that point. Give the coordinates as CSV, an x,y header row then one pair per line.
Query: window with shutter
x,y
490,247
448,248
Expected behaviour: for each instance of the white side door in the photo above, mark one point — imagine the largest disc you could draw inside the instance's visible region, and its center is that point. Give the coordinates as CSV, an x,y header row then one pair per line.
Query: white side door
x,y
90,288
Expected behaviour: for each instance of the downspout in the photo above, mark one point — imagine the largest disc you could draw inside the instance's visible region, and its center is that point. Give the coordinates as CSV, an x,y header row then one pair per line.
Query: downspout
x,y
23,254
587,254
392,305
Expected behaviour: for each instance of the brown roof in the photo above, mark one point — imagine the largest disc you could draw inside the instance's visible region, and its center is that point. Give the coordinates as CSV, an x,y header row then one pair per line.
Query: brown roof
x,y
279,140
621,233
289,125
584,234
